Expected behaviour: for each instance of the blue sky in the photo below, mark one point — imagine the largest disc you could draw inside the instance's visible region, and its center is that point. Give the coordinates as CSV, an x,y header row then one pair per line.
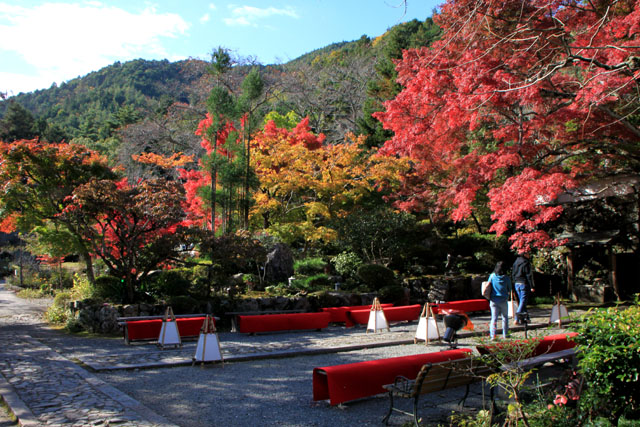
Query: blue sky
x,y
47,41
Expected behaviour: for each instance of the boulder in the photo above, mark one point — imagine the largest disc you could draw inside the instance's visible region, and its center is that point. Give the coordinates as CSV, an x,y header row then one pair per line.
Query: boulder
x,y
279,265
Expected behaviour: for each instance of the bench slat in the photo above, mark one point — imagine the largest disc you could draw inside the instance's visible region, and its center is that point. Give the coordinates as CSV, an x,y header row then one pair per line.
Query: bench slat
x,y
436,377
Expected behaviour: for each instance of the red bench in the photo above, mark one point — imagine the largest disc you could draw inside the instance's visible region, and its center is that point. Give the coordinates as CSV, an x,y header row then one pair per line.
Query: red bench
x,y
149,329
282,322
343,383
548,349
466,306
341,314
404,313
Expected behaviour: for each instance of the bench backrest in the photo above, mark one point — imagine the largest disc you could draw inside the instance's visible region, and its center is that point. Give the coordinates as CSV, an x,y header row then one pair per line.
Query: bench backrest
x,y
443,375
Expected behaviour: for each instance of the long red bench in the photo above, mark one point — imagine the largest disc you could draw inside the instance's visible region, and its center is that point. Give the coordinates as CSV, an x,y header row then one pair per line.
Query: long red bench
x,y
408,313
282,322
555,343
149,329
341,314
467,306
351,381
549,344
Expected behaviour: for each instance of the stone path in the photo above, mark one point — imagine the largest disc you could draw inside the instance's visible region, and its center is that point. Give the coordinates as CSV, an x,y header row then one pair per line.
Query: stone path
x,y
43,387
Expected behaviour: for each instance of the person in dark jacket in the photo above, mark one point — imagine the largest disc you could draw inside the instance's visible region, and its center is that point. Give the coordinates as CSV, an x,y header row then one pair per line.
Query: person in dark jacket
x,y
523,282
500,290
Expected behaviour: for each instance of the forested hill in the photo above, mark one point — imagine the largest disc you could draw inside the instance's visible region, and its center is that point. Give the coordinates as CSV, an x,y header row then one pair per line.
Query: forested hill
x,y
337,87
95,105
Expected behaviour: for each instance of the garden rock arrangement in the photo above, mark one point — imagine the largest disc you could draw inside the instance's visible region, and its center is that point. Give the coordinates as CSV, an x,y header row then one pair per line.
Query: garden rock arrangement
x,y
102,318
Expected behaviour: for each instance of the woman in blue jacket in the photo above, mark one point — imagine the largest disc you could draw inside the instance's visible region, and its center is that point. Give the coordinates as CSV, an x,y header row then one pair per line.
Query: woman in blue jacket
x,y
500,290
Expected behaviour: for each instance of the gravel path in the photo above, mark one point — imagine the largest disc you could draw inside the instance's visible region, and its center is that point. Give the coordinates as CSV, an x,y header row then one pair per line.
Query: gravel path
x,y
271,391
266,392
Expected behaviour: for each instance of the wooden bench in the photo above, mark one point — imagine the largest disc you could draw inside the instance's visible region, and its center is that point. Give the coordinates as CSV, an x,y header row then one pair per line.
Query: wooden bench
x,y
147,328
435,377
234,315
357,380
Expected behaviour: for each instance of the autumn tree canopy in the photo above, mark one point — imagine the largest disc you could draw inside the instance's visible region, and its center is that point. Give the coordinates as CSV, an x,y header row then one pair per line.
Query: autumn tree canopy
x,y
306,185
37,181
518,102
132,228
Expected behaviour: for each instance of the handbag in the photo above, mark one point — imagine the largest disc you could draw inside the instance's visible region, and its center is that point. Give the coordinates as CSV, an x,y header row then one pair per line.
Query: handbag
x,y
485,289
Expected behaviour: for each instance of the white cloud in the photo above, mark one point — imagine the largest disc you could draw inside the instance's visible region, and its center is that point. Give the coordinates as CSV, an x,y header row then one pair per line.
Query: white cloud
x,y
14,83
205,18
66,40
212,6
249,15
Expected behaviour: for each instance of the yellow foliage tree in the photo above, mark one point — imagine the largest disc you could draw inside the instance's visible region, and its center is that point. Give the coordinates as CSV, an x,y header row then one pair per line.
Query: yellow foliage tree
x,y
306,186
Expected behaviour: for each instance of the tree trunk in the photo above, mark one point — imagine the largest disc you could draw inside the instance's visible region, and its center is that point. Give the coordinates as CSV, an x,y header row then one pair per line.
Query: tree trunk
x,y
246,183
214,176
86,256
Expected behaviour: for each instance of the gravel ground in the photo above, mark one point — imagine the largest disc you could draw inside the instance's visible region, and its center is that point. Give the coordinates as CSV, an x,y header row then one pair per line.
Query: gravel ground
x,y
249,393
272,392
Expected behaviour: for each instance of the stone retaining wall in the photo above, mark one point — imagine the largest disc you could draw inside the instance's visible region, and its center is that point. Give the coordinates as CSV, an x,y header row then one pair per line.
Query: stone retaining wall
x,y
102,318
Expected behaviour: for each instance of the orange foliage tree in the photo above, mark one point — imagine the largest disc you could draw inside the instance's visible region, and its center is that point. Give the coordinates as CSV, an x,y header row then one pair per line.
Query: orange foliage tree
x,y
305,186
38,179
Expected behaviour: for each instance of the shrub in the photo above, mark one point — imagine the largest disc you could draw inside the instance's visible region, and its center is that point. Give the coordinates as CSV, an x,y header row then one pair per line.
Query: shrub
x,y
315,283
200,285
318,282
61,279
57,315
278,290
58,312
109,288
347,264
309,266
170,283
82,288
376,276
30,279
609,347
391,294
31,294
183,304
378,233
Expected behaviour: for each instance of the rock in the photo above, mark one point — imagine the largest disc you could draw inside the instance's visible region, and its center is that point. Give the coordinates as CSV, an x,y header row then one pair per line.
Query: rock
x,y
236,279
476,283
145,310
439,291
281,303
279,265
130,310
247,305
107,319
301,303
459,288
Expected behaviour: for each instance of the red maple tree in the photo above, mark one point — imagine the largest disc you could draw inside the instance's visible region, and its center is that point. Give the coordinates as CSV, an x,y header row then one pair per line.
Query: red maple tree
x,y
134,229
518,102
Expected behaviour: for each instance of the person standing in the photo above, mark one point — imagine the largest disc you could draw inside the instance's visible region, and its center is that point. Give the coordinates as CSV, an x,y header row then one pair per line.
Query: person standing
x,y
500,290
523,282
